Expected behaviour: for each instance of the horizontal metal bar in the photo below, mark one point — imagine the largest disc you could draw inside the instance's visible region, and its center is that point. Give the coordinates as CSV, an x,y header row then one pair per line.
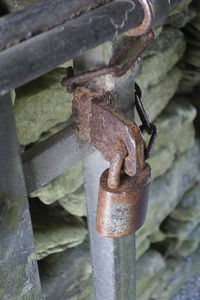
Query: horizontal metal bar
x,y
40,54
53,156
50,158
41,17
30,59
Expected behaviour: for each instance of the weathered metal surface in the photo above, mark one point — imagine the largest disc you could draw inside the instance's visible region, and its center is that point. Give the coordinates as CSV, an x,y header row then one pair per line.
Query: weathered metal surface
x,y
109,125
146,24
114,67
41,17
19,65
122,211
102,125
50,158
116,165
19,278
48,14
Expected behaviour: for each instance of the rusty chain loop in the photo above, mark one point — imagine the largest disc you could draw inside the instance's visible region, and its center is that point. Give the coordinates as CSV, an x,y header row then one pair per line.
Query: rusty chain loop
x,y
114,67
151,129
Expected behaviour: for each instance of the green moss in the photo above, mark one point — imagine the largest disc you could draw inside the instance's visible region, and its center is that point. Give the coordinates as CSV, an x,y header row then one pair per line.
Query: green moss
x,y
13,211
40,105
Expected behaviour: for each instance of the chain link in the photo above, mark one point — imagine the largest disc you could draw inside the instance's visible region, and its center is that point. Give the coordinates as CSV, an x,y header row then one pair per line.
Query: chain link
x,y
151,129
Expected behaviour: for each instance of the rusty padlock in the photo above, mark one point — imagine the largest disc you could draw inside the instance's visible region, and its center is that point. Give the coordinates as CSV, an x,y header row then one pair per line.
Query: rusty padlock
x,y
122,202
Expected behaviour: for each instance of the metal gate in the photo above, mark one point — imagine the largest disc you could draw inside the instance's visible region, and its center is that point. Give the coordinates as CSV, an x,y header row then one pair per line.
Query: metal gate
x,y
34,41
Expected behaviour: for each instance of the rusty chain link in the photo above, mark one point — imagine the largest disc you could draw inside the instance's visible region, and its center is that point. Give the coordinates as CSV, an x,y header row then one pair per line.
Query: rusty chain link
x,y
114,67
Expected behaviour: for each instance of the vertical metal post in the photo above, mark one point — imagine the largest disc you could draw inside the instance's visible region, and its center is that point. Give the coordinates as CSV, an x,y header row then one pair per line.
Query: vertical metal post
x,y
113,260
19,277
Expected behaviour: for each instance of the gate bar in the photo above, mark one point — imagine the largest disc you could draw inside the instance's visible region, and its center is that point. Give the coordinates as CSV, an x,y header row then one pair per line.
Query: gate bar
x,y
50,158
18,265
44,52
43,16
30,59
113,260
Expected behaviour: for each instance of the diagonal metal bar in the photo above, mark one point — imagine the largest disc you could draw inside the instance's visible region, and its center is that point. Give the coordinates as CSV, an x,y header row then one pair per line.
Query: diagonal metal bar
x,y
50,158
18,264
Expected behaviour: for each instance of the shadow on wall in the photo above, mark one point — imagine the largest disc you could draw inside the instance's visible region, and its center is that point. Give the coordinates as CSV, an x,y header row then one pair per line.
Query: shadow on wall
x,y
3,9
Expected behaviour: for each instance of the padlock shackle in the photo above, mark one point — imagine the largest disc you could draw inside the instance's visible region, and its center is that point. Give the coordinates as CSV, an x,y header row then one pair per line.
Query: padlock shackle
x,y
116,165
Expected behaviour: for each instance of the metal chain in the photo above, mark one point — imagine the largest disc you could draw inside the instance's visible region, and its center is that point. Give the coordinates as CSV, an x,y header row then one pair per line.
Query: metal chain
x,y
151,129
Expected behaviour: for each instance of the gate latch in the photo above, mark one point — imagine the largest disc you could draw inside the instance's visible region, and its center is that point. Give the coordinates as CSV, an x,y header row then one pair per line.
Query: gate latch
x,y
123,191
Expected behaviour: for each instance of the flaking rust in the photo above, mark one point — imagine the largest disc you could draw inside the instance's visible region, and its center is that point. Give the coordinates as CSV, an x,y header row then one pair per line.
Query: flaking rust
x,y
82,110
103,125
123,191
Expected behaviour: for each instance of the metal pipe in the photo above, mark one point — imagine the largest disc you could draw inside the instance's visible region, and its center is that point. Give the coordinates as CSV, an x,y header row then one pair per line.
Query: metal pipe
x,y
30,59
41,17
18,264
42,53
113,260
50,158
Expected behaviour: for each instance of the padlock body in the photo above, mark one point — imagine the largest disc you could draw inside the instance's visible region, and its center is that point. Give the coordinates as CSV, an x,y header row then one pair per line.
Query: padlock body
x,y
123,211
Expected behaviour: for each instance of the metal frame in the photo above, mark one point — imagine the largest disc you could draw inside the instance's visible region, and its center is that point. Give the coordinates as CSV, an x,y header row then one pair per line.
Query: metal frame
x,y
18,264
68,28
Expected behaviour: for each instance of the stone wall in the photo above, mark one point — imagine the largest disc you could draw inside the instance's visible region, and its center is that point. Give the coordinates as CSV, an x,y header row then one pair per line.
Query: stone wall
x,y
168,243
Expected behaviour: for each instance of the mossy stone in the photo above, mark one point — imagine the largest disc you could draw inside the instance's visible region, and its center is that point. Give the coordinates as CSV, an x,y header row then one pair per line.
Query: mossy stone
x,y
168,190
54,231
190,244
189,207
67,275
143,247
40,105
156,98
165,52
75,203
149,266
174,122
58,188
